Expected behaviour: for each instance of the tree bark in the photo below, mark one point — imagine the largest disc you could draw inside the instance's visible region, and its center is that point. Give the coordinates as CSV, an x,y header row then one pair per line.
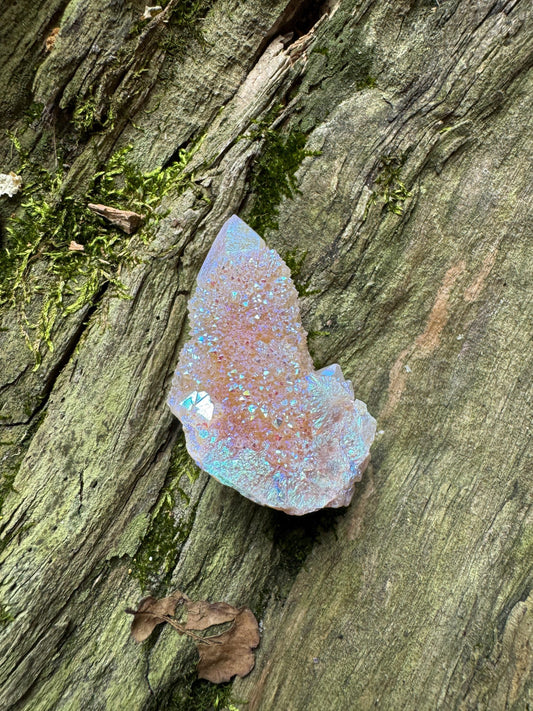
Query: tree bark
x,y
411,228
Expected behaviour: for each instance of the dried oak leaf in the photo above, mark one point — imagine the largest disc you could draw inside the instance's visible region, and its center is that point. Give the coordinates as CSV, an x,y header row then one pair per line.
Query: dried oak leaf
x,y
203,614
232,654
152,612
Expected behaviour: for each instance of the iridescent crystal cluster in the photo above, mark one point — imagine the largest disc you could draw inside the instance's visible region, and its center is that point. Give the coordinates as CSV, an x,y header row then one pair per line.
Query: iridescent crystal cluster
x,y
256,415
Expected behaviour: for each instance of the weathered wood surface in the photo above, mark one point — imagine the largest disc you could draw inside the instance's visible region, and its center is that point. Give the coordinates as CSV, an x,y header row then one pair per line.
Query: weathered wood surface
x,y
418,595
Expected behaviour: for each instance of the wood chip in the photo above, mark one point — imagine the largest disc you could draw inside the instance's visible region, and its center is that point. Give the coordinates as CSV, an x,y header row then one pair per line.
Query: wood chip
x,y
126,220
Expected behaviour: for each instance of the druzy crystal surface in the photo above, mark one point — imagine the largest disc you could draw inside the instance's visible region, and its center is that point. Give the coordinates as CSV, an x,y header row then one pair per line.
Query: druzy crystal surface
x,y
255,413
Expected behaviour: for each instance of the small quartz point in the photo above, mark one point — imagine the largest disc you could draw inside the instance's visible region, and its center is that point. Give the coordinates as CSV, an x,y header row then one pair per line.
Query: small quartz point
x,y
256,414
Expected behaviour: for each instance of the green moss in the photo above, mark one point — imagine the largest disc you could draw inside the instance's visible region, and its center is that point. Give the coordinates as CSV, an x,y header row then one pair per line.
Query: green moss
x,y
345,62
366,82
186,14
36,261
169,527
354,62
83,116
34,112
390,189
88,116
294,259
273,172
5,616
192,694
159,551
184,26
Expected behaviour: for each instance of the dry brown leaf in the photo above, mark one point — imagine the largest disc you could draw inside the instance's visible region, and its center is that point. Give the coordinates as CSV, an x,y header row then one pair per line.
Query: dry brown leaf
x,y
203,614
233,655
126,220
222,656
152,612
75,247
51,39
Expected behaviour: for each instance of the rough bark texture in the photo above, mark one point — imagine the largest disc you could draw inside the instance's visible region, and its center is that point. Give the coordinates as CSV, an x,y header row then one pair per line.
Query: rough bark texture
x,y
415,211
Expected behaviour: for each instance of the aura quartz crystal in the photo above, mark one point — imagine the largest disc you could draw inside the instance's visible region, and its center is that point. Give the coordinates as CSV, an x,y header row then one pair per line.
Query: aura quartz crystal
x,y
255,413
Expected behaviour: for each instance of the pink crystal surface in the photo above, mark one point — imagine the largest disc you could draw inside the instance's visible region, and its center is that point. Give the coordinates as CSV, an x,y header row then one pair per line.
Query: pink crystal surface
x,y
255,413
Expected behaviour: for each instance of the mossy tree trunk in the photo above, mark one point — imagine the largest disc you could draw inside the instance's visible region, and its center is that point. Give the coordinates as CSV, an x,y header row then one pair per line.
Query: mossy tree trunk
x,y
409,233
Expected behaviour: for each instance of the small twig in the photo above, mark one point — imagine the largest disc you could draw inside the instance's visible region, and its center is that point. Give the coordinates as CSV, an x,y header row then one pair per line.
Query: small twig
x,y
172,622
176,625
